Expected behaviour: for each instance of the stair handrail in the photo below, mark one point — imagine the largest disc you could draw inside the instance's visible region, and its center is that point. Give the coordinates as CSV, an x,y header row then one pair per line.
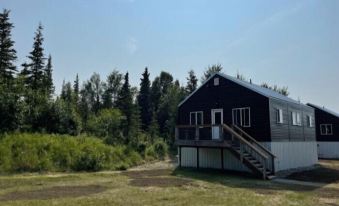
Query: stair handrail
x,y
230,130
255,141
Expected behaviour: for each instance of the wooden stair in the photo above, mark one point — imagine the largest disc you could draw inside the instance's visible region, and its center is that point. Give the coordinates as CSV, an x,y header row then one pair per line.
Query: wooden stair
x,y
251,153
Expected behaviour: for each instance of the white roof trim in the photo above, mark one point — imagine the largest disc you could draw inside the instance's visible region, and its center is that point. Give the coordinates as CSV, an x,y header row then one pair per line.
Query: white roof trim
x,y
324,109
256,88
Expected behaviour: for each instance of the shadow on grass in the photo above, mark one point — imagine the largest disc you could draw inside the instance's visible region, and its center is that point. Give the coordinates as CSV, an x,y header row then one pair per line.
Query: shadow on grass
x,y
320,174
248,181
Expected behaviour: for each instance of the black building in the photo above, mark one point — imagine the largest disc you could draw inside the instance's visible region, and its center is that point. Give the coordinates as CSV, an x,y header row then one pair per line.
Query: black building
x,y
327,132
226,114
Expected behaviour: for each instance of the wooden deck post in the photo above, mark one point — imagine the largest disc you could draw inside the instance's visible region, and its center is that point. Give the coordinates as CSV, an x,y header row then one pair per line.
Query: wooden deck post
x,y
222,158
197,135
179,156
198,157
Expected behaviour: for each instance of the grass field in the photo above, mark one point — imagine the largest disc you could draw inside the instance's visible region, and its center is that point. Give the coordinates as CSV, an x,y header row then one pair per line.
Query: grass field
x,y
160,184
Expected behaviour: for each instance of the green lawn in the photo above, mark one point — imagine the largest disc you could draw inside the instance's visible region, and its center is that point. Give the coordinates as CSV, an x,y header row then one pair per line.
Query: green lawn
x,y
157,187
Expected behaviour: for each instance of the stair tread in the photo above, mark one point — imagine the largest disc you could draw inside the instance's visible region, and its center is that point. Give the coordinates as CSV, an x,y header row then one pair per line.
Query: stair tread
x,y
270,177
243,154
254,161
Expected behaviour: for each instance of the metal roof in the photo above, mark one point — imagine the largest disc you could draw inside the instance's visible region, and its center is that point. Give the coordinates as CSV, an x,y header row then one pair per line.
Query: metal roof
x,y
254,87
324,109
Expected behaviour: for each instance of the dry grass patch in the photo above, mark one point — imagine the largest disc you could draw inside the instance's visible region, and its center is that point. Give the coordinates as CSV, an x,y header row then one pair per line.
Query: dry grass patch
x,y
53,192
148,173
155,178
159,182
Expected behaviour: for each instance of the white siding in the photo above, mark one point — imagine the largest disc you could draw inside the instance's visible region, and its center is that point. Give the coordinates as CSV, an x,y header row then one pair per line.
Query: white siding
x,y
210,158
188,157
328,150
291,155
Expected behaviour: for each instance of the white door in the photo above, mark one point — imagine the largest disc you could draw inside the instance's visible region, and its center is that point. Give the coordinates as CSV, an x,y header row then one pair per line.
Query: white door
x,y
217,121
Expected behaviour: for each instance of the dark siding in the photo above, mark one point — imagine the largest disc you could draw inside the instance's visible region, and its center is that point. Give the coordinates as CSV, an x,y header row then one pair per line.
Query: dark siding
x,y
309,132
322,117
279,132
229,95
286,131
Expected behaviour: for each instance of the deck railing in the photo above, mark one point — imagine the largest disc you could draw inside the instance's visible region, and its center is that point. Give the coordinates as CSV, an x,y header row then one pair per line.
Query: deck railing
x,y
257,144
239,140
199,132
249,145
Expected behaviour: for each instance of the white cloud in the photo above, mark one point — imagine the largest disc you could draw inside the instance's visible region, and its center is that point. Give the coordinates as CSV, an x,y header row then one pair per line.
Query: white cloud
x,y
132,45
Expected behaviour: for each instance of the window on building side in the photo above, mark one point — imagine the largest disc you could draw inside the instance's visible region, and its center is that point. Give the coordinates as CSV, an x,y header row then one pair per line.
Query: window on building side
x,y
216,81
280,117
296,118
241,116
309,120
196,118
326,129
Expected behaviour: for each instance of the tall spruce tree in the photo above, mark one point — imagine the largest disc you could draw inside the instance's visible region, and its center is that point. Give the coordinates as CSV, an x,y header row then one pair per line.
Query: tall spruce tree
x,y
97,89
192,82
125,104
144,100
76,90
37,62
155,94
125,100
66,92
7,51
9,90
48,85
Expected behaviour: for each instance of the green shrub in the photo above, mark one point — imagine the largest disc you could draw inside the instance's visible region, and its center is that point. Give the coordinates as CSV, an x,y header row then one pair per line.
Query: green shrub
x,y
106,124
149,153
5,160
41,152
158,150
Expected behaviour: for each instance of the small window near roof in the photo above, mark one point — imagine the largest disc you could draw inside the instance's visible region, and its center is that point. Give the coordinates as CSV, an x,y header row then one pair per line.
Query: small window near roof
x,y
216,81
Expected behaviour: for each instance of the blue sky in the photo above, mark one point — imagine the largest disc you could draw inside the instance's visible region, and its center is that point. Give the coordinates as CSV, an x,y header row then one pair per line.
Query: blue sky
x,y
292,43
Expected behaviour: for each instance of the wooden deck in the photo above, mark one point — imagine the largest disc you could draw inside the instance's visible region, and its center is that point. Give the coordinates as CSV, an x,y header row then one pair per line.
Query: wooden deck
x,y
204,143
243,146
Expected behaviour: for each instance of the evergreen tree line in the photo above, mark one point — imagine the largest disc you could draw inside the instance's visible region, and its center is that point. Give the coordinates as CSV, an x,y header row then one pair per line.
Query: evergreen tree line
x,y
110,109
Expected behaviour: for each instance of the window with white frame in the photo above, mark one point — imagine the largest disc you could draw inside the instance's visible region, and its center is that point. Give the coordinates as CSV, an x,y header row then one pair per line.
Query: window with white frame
x,y
196,118
241,116
309,120
280,117
326,129
216,81
296,118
